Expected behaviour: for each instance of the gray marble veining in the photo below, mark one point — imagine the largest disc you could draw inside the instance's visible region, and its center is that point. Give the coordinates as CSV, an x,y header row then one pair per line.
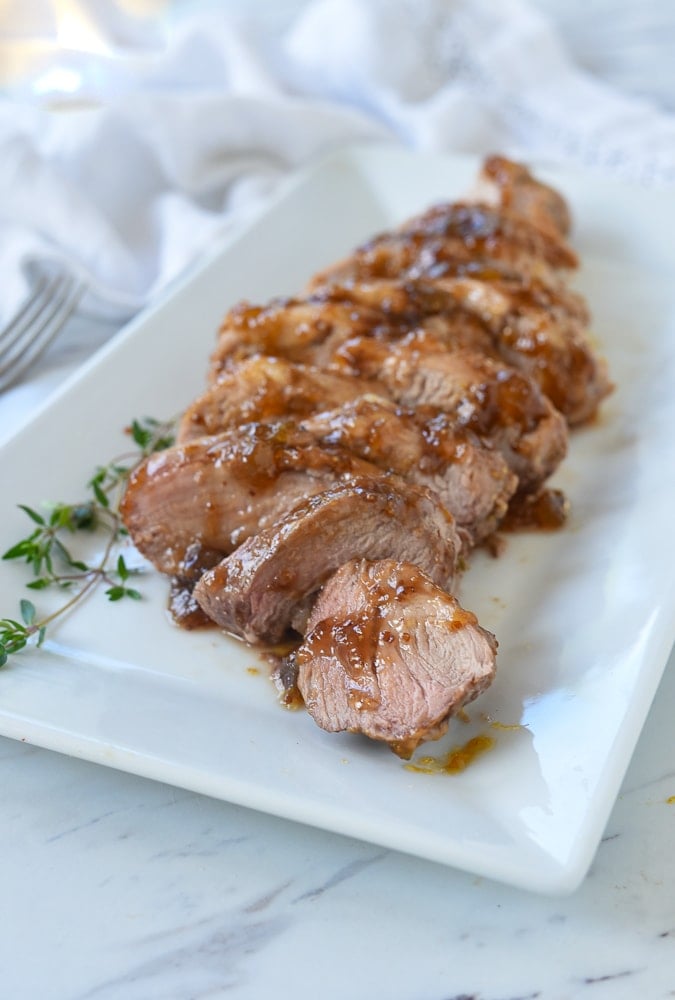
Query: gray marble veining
x,y
117,888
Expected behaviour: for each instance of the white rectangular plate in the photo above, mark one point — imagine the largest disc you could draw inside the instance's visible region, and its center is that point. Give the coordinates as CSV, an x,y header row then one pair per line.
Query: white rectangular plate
x,y
585,617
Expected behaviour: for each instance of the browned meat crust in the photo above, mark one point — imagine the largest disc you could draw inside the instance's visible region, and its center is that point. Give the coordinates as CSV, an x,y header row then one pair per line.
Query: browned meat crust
x,y
213,493
448,239
262,589
425,446
497,403
263,388
535,334
512,187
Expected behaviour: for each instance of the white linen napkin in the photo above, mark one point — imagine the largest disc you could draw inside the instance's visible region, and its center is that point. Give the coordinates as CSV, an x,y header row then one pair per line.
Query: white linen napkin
x,y
168,140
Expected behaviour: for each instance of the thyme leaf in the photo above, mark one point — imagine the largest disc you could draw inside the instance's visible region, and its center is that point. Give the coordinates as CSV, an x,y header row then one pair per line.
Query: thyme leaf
x,y
47,549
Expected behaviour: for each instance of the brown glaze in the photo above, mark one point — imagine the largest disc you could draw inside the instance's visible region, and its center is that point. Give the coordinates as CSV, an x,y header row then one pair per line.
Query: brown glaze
x,y
517,191
267,585
456,760
535,329
184,610
261,389
546,510
212,493
389,654
363,643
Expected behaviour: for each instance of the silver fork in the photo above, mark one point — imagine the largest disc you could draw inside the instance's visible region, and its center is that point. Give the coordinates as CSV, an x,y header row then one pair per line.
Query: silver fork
x,y
30,332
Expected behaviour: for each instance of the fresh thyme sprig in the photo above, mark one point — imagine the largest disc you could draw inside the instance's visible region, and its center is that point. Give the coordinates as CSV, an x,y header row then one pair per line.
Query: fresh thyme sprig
x,y
47,549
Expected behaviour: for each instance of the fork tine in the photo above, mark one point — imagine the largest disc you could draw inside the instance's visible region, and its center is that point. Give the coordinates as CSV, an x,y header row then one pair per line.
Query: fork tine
x,y
34,328
26,315
19,333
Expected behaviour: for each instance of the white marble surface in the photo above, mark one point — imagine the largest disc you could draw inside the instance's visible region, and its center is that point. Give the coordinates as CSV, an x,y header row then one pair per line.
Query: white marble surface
x,y
117,887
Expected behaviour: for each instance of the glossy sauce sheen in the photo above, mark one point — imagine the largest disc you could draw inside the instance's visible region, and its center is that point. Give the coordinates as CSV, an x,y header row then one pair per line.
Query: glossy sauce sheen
x,y
365,643
456,760
472,230
543,511
563,368
373,430
355,644
484,395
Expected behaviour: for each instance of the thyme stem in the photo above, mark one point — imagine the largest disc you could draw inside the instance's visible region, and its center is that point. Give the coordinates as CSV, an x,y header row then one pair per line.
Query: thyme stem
x,y
50,558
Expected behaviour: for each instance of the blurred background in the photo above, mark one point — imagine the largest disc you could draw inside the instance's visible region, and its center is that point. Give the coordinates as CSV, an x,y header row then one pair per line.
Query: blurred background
x,y
68,49
135,133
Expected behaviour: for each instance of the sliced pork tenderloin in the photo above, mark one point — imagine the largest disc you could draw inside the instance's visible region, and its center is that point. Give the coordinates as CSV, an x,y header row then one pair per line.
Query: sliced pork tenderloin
x,y
489,398
542,340
411,299
532,333
266,586
457,238
476,229
424,446
190,505
310,331
389,654
287,328
264,388
418,368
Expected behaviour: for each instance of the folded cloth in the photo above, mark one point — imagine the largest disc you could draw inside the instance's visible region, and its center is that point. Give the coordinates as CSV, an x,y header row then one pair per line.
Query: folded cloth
x,y
160,152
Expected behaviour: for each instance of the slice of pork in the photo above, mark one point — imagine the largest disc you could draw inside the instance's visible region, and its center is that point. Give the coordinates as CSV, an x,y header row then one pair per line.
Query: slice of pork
x,y
492,232
489,398
535,334
420,368
389,654
287,328
511,187
425,447
451,239
266,586
411,299
542,340
190,505
263,388
310,330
